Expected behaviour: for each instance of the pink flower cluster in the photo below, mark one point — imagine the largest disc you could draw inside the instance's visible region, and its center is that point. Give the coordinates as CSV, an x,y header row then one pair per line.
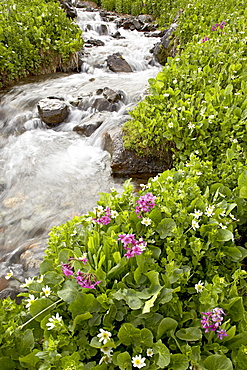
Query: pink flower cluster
x,y
145,203
205,39
105,219
221,26
85,280
133,246
212,320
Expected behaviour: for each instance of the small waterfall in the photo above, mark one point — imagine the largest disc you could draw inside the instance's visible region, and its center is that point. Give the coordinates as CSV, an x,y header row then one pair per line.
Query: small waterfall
x,y
49,175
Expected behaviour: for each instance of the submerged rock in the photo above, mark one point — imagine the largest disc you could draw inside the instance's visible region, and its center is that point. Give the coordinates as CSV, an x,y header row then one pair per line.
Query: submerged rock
x,y
117,63
53,111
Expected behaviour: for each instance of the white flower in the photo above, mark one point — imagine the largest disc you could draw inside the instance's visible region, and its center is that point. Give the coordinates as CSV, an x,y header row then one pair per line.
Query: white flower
x,y
46,290
169,178
166,95
54,320
107,351
235,141
210,211
30,300
198,173
9,275
175,81
114,214
146,221
155,178
222,226
98,210
170,124
232,217
191,126
106,359
199,287
223,213
150,352
104,336
181,171
138,361
197,214
195,225
28,282
113,189
40,279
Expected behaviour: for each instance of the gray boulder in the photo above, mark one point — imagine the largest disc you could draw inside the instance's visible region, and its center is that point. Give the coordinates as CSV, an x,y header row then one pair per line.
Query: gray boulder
x,y
127,163
53,111
117,63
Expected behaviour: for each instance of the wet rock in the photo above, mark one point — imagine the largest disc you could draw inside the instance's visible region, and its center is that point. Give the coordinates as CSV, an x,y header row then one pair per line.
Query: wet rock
x,y
109,101
117,35
117,63
145,18
132,24
87,129
103,30
32,257
53,111
87,4
102,104
127,163
94,42
165,48
69,8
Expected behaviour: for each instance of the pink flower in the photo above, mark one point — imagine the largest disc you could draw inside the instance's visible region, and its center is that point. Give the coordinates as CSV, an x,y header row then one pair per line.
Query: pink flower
x,y
221,334
67,269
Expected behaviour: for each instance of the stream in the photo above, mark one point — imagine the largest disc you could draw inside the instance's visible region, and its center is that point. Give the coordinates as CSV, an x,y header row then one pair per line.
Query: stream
x,y
48,175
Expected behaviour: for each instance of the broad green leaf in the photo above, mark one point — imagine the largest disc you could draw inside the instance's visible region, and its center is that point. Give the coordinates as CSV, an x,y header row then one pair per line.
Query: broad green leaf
x,y
30,359
25,342
128,334
52,278
7,363
82,304
80,318
162,354
166,325
219,362
234,253
124,361
179,362
224,235
243,192
40,305
165,227
69,291
242,180
146,338
134,302
235,308
191,334
149,303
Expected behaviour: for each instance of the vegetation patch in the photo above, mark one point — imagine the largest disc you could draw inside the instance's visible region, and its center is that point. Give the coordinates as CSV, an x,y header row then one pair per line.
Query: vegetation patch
x,y
33,35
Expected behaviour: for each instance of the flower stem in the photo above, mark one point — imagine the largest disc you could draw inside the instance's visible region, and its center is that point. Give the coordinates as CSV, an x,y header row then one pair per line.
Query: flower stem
x,y
34,317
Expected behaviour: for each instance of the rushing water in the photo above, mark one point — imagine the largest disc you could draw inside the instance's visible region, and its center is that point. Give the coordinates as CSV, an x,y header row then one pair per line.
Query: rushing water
x,y
49,175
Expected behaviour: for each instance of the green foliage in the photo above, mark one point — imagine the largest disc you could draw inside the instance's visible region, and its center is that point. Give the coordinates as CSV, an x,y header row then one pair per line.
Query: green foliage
x,y
147,302
96,305
34,34
198,102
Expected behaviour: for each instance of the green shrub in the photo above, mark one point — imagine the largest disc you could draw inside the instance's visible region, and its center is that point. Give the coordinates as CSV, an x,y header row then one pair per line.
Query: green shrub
x,y
32,35
151,303
198,101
